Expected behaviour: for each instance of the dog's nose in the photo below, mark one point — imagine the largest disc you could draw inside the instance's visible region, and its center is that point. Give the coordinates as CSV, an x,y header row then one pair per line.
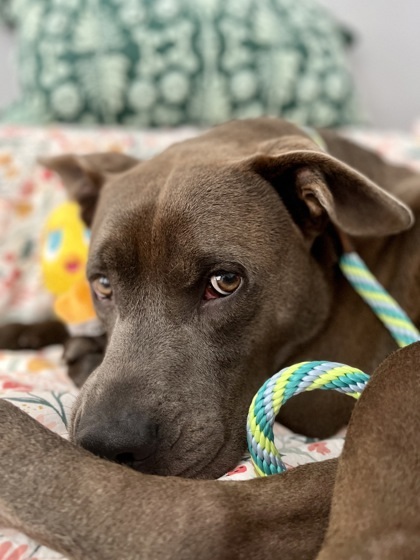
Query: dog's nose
x,y
129,440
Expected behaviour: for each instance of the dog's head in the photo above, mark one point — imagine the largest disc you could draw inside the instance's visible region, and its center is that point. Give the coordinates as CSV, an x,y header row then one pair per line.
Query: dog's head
x,y
209,265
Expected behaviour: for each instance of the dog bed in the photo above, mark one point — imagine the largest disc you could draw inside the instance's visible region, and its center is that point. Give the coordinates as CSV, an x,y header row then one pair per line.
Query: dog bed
x,y
36,382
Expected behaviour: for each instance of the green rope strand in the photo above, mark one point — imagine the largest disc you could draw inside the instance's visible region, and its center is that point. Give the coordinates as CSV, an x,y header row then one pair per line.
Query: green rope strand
x,y
374,294
277,390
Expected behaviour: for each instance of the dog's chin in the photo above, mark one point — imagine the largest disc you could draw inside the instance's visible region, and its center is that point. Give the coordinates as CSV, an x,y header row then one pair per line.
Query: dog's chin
x,y
210,471
210,465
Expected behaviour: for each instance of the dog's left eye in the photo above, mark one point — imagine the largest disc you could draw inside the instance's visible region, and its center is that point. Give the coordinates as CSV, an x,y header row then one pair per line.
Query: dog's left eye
x,y
102,287
222,284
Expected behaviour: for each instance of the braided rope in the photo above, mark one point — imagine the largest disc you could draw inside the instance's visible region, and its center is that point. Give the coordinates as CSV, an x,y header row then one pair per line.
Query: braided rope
x,y
288,382
383,305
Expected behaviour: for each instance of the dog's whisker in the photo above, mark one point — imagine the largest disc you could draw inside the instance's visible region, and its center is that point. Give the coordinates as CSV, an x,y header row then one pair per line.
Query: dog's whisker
x,y
192,470
173,444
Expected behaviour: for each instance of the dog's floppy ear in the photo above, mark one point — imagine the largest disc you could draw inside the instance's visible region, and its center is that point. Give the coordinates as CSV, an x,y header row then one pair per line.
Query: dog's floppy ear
x,y
316,188
84,175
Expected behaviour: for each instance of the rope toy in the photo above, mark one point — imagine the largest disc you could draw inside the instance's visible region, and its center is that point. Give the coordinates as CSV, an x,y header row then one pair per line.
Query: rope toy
x,y
382,304
308,376
288,382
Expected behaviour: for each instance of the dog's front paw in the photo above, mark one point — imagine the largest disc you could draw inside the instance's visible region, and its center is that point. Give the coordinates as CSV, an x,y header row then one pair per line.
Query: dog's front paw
x,y
83,355
20,336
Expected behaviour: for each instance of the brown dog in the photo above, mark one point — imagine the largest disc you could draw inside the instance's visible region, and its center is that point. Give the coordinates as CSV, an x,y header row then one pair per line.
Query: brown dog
x,y
88,508
213,265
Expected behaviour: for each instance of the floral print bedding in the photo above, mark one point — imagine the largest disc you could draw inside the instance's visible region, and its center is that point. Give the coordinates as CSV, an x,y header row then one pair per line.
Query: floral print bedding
x,y
36,382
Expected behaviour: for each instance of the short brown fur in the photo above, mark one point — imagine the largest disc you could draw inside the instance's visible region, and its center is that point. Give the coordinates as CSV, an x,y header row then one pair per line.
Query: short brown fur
x,y
263,197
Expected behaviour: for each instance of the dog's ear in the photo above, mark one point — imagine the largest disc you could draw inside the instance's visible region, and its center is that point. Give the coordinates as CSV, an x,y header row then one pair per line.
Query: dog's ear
x,y
317,188
84,175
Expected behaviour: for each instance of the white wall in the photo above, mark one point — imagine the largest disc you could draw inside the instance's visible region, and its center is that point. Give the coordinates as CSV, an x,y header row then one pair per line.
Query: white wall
x,y
385,60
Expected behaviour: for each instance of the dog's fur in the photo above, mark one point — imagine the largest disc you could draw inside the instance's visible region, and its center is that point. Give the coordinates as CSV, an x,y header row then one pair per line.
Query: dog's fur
x,y
258,198
86,507
375,511
261,199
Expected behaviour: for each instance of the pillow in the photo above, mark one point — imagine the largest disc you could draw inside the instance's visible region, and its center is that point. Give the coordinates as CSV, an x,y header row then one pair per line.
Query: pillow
x,y
174,62
5,16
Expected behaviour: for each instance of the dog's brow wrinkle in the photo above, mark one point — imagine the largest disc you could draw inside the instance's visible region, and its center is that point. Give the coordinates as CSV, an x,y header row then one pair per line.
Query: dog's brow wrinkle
x,y
94,265
109,256
159,209
99,260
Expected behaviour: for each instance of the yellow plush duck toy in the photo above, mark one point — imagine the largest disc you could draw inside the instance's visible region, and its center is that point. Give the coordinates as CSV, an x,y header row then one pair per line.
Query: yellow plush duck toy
x,y
65,245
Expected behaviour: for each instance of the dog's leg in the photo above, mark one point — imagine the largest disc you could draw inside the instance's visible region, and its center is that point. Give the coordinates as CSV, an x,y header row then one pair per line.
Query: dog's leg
x,y
32,336
86,507
375,512
82,355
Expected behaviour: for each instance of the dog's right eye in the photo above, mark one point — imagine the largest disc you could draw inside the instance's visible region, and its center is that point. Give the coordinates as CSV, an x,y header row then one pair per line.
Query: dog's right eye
x,y
102,287
222,284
